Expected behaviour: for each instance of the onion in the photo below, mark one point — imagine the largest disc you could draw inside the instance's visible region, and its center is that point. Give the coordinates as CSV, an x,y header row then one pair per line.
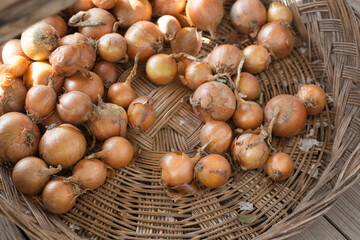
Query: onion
x,y
112,47
17,66
39,73
279,166
40,101
219,133
89,173
248,85
313,97
250,151
225,58
128,12
248,16
108,120
187,40
74,39
206,15
106,71
105,4
257,58
277,38
53,118
30,175
168,7
38,40
58,23
141,35
197,73
248,114
62,145
11,48
291,118
121,94
161,69
93,23
169,26
182,65
279,12
141,114
19,137
213,170
12,95
215,99
59,197
74,107
117,152
80,5
92,86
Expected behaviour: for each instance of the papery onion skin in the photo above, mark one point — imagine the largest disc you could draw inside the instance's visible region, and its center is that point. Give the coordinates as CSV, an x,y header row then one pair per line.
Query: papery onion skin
x,y
187,40
168,7
257,58
39,40
214,98
143,34
220,135
292,116
40,101
128,12
313,97
12,95
248,16
213,170
248,85
11,48
279,12
161,69
225,58
30,175
62,145
277,38
58,23
19,137
141,114
112,47
58,197
105,4
106,71
279,166
197,73
89,173
169,26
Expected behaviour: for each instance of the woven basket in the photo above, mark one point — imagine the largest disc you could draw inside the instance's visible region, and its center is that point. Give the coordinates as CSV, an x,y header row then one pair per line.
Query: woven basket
x,y
134,205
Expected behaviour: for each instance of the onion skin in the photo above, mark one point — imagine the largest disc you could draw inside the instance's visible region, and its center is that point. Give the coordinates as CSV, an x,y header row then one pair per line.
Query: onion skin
x,y
11,48
143,34
161,69
17,66
129,12
30,175
291,118
63,145
168,7
205,15
40,101
248,85
249,157
19,137
112,47
313,97
197,73
58,23
169,26
107,72
105,4
279,166
214,98
58,197
279,12
257,58
248,16
225,58
187,40
220,135
89,173
141,114
121,94
277,38
39,40
12,95
213,171
91,86
248,115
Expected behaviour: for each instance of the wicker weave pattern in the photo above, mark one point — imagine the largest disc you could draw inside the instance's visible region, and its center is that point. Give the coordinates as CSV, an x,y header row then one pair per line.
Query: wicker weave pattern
x,y
134,205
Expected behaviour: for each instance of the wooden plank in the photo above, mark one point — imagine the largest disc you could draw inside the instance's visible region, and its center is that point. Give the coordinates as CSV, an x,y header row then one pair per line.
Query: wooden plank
x,y
18,15
320,230
8,230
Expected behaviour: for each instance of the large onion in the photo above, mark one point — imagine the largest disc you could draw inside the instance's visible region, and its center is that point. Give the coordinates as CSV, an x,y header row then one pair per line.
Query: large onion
x,y
19,137
128,12
225,58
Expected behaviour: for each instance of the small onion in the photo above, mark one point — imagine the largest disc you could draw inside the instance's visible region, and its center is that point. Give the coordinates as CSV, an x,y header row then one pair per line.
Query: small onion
x,y
106,71
279,12
187,40
105,4
17,66
58,23
117,152
128,12
19,137
248,85
168,7
291,118
59,197
279,166
313,97
11,48
141,114
248,16
206,15
80,5
225,58
214,98
12,95
277,38
62,145
39,40
169,26
112,47
213,170
141,35
40,101
30,175
197,73
161,69
121,94
257,58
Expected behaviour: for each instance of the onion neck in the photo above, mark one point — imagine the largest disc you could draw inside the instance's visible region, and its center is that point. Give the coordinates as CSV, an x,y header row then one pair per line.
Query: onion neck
x,y
51,171
102,154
